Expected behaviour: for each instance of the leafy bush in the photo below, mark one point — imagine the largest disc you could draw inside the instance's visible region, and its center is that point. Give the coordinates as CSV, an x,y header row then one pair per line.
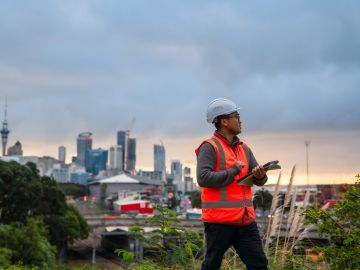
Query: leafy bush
x,y
25,194
342,226
173,244
26,244
74,190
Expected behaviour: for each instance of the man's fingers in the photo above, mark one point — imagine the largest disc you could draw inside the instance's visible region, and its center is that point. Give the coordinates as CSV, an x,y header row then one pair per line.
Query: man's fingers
x,y
259,171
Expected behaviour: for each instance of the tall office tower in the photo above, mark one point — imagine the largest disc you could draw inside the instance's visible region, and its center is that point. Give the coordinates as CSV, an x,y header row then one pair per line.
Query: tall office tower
x,y
15,150
4,132
62,154
115,157
97,160
84,145
122,140
131,156
159,158
188,181
176,172
176,167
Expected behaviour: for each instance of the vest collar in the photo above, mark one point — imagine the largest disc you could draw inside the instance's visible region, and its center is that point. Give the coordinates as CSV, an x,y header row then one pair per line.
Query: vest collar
x,y
235,141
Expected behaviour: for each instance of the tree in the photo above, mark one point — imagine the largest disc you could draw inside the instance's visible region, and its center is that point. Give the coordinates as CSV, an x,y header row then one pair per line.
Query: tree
x,y
77,228
196,199
20,191
25,194
342,226
74,190
263,199
103,188
26,244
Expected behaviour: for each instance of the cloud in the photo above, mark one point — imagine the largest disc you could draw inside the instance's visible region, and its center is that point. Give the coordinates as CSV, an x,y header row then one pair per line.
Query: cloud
x,y
69,67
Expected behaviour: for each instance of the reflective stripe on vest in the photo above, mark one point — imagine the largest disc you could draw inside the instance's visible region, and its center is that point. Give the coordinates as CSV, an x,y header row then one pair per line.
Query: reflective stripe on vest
x,y
222,168
227,204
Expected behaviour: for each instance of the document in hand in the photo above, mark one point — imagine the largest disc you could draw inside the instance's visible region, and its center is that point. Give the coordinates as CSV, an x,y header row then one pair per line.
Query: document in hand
x,y
248,180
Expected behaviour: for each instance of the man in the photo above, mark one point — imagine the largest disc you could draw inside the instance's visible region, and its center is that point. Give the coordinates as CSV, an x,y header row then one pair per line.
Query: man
x,y
171,203
227,210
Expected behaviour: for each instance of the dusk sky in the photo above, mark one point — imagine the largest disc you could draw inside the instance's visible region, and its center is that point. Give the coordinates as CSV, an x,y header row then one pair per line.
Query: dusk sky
x,y
292,66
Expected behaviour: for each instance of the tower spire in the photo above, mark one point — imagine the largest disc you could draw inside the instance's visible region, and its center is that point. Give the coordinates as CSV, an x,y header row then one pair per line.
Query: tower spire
x,y
4,131
5,108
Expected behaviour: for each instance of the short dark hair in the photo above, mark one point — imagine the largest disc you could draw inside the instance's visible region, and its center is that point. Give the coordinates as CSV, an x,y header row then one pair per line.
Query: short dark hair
x,y
218,120
224,116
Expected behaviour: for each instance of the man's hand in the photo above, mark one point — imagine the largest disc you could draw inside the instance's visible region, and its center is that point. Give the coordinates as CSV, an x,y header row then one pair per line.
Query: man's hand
x,y
239,165
259,172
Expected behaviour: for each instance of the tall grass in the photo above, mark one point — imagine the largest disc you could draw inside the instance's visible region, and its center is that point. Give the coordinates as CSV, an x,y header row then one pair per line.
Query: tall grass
x,y
272,213
286,202
281,256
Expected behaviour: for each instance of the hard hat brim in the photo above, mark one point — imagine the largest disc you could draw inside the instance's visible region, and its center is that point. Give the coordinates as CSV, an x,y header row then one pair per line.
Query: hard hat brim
x,y
212,119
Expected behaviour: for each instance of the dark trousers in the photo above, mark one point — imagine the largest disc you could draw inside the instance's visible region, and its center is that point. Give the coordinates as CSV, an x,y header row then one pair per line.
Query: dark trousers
x,y
245,240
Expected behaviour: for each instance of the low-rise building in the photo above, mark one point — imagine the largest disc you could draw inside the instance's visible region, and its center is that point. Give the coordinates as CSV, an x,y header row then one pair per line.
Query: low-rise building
x,y
124,182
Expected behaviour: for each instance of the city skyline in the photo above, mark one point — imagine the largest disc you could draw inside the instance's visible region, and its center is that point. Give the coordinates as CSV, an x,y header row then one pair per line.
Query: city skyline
x,y
293,68
145,159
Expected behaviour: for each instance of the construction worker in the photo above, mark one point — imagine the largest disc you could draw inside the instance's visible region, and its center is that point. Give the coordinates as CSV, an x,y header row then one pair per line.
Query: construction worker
x,y
227,208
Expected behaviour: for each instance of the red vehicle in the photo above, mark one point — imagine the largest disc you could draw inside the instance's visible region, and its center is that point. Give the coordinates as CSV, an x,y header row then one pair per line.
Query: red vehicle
x,y
133,203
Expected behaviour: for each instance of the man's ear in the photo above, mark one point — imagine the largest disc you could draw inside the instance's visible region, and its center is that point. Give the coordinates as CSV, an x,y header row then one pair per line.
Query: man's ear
x,y
224,122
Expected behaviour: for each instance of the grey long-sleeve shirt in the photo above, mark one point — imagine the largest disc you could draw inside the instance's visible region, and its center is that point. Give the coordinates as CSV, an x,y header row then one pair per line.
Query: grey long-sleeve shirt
x,y
206,163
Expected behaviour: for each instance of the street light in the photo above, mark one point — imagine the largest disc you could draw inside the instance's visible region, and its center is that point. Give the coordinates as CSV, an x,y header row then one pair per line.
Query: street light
x,y
307,143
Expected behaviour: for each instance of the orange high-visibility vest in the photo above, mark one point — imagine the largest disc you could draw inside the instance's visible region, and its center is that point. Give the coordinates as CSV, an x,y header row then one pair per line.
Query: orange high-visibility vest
x,y
233,203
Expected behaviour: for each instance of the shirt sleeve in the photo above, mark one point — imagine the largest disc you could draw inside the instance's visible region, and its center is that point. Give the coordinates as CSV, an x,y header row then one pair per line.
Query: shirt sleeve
x,y
205,170
252,164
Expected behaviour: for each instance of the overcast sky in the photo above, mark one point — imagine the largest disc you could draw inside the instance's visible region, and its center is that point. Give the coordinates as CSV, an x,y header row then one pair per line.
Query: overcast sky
x,y
292,66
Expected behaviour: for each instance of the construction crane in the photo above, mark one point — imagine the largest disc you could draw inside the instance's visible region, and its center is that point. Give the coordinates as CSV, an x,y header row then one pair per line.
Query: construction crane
x,y
131,125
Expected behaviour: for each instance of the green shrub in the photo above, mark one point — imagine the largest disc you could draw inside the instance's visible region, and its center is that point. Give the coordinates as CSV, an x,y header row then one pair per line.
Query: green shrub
x,y
342,226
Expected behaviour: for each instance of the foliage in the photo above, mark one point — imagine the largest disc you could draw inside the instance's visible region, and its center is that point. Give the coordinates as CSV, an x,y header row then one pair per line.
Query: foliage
x,y
263,199
22,267
342,226
27,244
5,255
103,188
76,225
74,190
25,194
127,256
196,199
173,245
20,191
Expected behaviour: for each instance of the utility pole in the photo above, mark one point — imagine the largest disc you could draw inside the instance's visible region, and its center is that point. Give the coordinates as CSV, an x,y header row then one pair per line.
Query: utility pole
x,y
307,143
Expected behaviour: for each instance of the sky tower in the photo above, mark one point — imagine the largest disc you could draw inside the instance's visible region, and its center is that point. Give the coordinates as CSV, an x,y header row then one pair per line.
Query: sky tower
x,y
4,131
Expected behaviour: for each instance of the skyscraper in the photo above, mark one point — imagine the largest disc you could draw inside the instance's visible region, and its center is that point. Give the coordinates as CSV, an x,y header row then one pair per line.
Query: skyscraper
x,y
176,167
188,181
62,154
84,145
115,157
176,172
96,161
15,150
131,156
122,141
4,132
159,158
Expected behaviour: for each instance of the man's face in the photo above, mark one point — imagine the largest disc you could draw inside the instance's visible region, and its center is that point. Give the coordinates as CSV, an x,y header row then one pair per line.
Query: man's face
x,y
234,123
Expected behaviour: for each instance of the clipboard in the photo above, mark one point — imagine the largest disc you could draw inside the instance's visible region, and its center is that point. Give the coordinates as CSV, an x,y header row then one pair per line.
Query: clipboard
x,y
248,180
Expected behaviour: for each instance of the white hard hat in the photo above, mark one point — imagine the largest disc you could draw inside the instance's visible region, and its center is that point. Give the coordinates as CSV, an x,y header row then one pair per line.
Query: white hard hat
x,y
220,106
